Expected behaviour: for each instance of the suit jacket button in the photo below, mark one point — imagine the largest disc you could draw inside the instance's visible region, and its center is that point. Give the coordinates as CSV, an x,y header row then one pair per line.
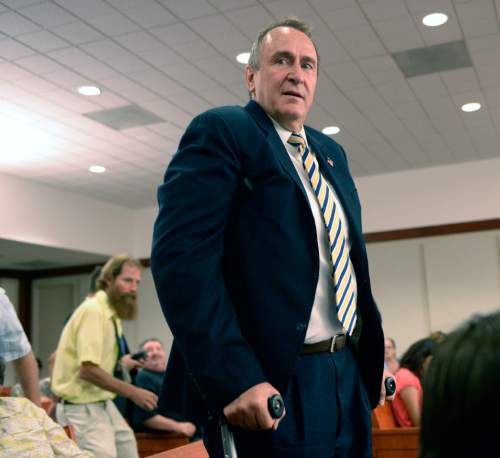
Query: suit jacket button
x,y
300,327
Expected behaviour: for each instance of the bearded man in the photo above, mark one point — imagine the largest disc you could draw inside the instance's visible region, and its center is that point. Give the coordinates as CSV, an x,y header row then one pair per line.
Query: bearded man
x,y
87,353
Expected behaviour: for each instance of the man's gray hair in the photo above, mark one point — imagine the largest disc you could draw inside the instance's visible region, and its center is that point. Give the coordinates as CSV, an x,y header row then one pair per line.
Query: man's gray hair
x,y
294,23
151,339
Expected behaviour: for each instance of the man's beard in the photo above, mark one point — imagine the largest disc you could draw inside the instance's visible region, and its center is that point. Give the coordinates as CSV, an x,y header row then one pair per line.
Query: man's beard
x,y
124,304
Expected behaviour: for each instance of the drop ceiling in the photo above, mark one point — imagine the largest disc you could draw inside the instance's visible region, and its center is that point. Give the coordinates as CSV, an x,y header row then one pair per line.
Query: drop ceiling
x,y
176,58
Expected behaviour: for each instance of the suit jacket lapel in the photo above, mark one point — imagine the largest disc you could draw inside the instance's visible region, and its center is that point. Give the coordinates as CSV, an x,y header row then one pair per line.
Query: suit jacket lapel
x,y
275,142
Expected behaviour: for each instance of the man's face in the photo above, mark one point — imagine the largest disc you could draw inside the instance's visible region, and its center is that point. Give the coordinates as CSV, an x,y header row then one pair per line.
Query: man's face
x,y
122,291
156,359
285,82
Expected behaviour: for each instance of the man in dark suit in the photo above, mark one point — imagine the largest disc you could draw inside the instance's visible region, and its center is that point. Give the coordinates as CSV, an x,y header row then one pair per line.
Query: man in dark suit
x,y
261,270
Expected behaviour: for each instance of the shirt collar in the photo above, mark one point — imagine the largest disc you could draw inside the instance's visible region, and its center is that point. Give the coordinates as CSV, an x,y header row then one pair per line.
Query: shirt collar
x,y
284,134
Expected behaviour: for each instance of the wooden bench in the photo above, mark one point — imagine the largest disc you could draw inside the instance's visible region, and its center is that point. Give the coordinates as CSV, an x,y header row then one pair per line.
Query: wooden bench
x,y
5,390
151,443
193,450
389,440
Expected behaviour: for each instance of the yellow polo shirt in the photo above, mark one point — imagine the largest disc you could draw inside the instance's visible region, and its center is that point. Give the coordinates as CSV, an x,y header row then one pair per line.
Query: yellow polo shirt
x,y
89,336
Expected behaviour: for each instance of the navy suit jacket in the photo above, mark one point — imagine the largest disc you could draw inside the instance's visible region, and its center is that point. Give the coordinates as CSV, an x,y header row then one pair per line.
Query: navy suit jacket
x,y
235,261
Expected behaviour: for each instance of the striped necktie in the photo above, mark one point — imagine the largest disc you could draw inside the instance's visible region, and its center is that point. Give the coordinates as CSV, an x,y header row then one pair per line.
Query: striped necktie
x,y
342,273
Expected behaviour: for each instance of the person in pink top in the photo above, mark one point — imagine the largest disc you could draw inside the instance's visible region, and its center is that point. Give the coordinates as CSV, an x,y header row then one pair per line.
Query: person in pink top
x,y
407,405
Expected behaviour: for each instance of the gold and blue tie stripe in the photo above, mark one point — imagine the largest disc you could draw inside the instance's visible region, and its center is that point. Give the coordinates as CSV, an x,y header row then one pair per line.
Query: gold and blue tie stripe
x,y
342,272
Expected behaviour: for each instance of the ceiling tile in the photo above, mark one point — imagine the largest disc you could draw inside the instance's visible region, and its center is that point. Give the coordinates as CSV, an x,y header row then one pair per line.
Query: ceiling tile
x,y
147,13
43,41
477,18
77,33
103,49
399,34
113,24
175,34
346,75
428,86
229,5
361,41
250,20
86,9
196,50
344,17
39,64
460,80
380,69
13,72
11,50
139,41
14,24
189,9
382,10
47,14
221,69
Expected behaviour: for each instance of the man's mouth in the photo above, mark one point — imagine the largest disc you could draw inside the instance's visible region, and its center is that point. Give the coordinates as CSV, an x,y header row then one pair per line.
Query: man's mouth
x,y
293,94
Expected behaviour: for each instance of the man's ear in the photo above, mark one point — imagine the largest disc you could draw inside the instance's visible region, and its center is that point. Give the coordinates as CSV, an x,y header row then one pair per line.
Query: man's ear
x,y
250,80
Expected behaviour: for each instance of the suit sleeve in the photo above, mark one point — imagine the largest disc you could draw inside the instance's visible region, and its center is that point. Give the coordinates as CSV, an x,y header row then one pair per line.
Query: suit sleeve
x,y
195,201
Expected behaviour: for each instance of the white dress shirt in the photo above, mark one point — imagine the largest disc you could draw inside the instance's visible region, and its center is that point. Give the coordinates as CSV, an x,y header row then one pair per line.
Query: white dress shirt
x,y
323,322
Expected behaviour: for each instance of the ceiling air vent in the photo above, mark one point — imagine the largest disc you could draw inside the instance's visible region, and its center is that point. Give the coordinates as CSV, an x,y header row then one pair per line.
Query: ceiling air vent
x,y
124,117
432,59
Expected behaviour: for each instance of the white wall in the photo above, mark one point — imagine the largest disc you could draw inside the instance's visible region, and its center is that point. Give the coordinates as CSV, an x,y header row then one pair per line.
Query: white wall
x,y
430,197
434,283
448,194
44,215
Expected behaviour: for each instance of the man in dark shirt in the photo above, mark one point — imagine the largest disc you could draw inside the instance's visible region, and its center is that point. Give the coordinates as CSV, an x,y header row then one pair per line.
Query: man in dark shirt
x,y
151,378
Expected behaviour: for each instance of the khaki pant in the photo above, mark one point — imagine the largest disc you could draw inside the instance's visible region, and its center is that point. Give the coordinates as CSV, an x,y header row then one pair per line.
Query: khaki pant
x,y
100,429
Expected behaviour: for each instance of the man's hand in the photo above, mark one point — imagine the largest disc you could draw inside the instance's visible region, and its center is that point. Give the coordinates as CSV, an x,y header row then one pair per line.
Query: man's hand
x,y
383,397
132,363
187,428
143,398
249,410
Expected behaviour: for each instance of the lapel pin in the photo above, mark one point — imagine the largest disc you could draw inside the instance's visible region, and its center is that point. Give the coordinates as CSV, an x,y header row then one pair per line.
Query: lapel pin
x,y
330,162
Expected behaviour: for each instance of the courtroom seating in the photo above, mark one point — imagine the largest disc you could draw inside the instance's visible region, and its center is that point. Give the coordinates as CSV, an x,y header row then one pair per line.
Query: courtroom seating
x,y
70,432
47,404
154,442
5,390
192,450
389,440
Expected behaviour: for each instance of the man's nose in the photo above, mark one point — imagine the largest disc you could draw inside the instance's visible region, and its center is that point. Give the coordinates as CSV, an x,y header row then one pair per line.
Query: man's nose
x,y
296,73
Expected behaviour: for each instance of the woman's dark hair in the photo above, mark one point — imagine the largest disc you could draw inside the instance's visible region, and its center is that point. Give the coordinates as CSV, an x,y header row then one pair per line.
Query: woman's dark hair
x,y
413,358
461,411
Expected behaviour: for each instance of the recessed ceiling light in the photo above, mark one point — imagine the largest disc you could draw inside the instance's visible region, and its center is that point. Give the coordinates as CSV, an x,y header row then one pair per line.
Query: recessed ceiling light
x,y
473,106
243,57
89,90
331,130
435,19
97,169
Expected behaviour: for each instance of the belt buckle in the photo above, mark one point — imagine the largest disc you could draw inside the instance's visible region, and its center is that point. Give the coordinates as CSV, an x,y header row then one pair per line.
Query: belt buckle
x,y
332,344
332,348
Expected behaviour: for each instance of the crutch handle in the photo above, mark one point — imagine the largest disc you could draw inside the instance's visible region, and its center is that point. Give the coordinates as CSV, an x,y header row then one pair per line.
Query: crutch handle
x,y
276,406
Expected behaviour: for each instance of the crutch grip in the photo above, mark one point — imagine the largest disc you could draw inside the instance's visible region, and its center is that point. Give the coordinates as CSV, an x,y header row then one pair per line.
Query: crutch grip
x,y
276,406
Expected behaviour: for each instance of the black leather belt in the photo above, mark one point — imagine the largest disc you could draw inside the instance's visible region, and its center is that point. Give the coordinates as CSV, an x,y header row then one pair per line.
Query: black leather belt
x,y
335,343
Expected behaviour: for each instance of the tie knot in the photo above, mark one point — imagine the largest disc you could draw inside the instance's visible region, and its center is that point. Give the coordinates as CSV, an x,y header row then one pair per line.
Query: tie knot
x,y
297,141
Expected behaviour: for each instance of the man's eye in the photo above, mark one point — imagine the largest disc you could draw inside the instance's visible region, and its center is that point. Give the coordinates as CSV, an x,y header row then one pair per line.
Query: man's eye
x,y
308,66
281,61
